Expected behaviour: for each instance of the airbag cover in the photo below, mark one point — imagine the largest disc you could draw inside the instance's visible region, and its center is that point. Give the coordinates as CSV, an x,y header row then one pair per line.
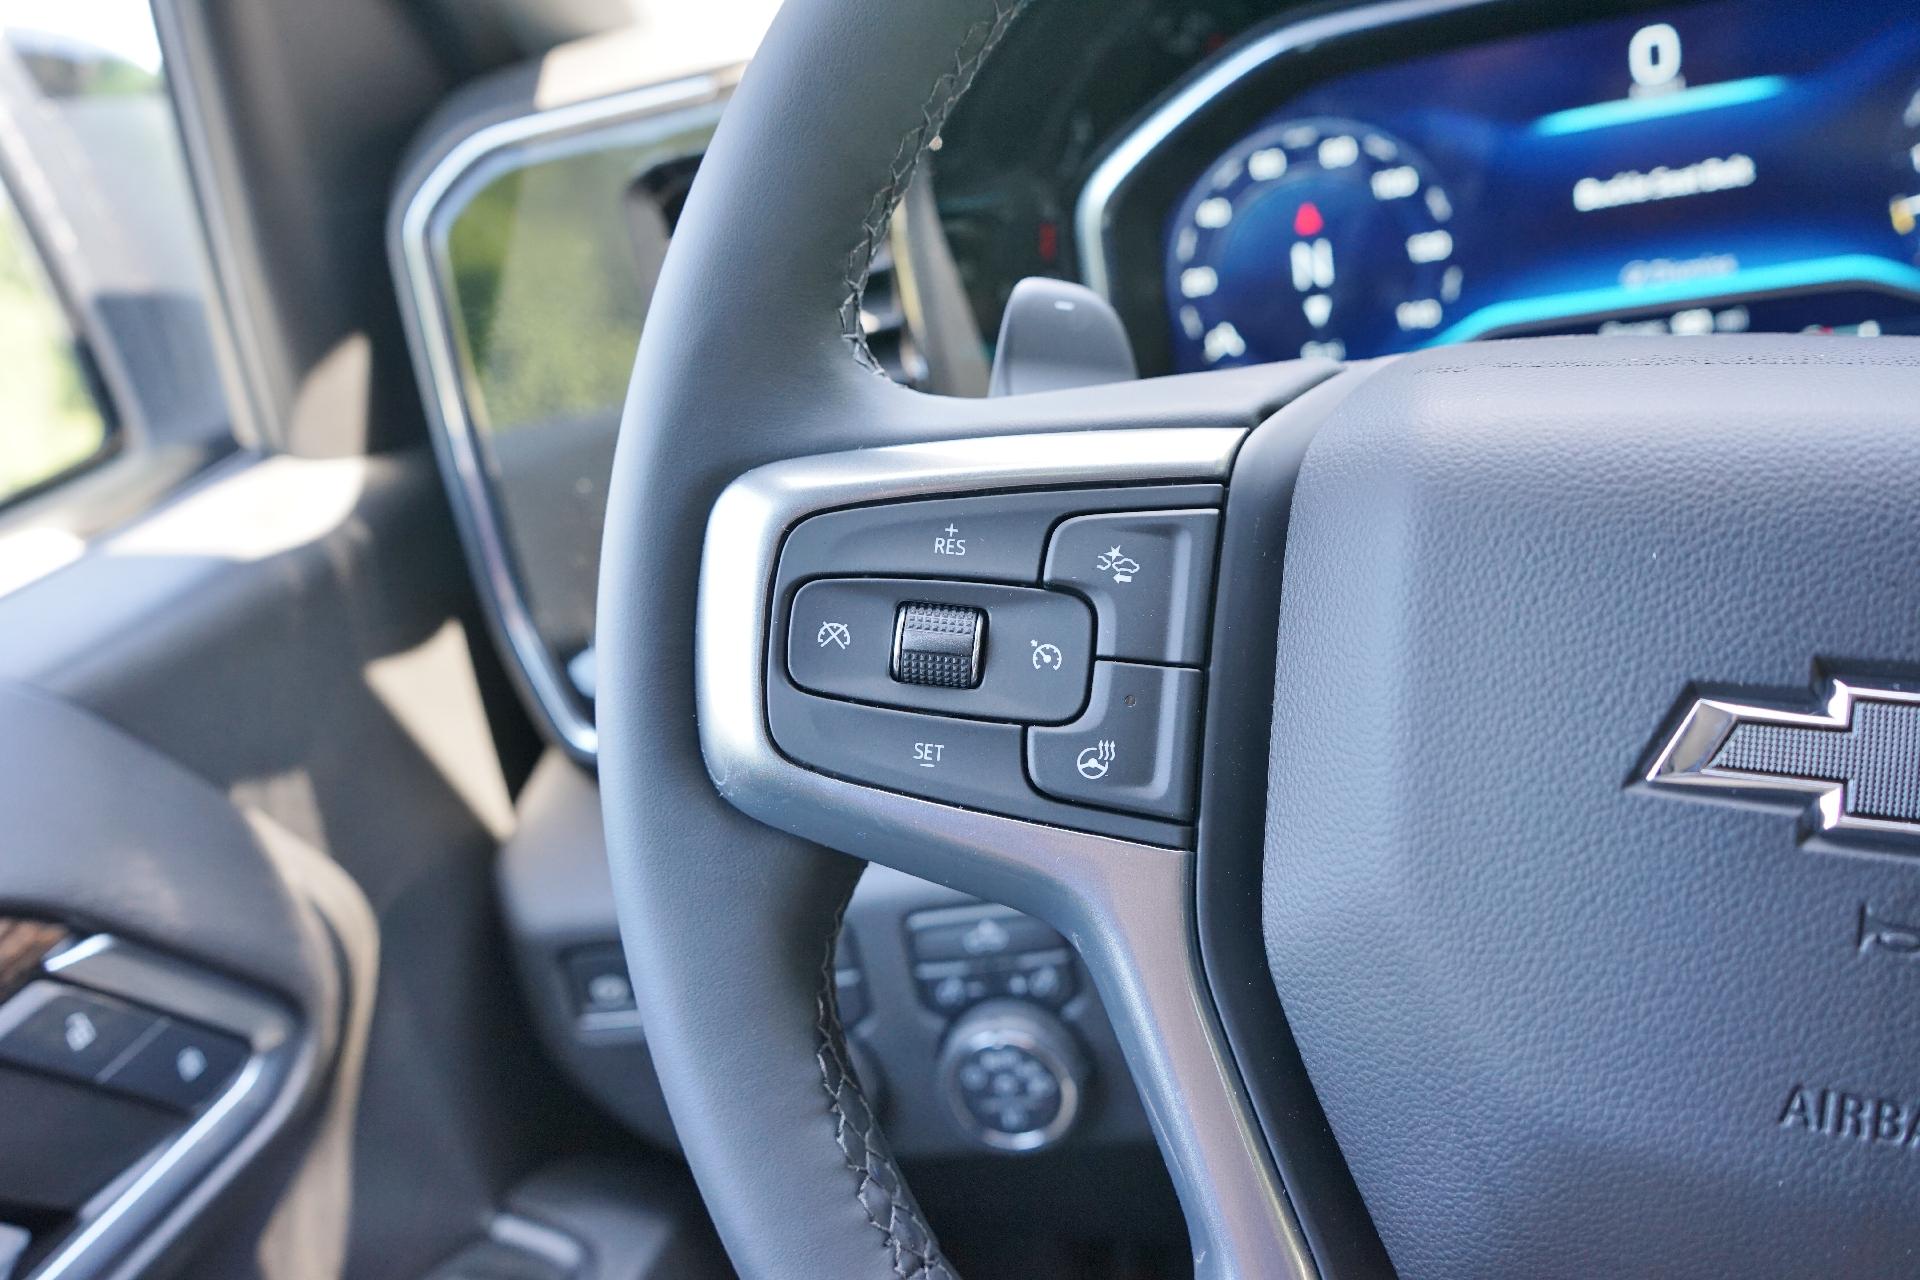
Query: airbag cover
x,y
1561,1022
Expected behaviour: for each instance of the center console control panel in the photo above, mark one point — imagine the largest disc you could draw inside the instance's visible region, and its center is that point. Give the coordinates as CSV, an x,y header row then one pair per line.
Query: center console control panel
x,y
974,1027
1034,654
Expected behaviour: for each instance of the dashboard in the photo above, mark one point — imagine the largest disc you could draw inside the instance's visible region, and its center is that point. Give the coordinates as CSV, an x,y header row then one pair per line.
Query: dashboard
x,y
1393,177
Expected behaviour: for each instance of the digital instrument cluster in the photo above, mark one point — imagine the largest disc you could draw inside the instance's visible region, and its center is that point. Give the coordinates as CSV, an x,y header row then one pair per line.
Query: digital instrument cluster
x,y
1743,165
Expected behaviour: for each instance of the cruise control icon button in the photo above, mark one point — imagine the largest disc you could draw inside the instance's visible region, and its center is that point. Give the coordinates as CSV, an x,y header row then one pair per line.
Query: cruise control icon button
x,y
978,650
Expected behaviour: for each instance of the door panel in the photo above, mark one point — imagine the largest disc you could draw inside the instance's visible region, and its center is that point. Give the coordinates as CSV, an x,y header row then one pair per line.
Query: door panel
x,y
250,734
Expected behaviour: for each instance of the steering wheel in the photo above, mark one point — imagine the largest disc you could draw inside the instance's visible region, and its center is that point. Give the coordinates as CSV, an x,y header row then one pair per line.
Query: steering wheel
x,y
1474,609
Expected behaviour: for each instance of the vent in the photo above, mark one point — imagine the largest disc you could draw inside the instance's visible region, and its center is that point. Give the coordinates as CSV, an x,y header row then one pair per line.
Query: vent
x,y
883,319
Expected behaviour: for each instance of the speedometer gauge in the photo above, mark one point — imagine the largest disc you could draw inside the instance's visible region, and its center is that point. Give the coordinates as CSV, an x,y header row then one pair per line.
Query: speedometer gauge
x,y
1312,237
1905,209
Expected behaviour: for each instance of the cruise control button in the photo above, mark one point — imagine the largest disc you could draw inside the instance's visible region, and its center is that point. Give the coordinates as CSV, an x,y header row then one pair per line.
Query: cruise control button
x,y
1135,748
938,644
69,1032
965,762
1035,647
994,538
840,636
1149,575
181,1067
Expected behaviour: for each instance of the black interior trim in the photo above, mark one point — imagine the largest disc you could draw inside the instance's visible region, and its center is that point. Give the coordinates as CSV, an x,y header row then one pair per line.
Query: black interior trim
x,y
1232,832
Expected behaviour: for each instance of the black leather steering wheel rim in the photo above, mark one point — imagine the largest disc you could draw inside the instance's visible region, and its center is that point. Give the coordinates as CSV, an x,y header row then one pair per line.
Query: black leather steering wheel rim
x,y
753,352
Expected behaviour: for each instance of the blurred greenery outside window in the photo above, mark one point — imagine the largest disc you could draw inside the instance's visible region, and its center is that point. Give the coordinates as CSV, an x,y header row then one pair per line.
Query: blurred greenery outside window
x,y
50,421
103,333
552,263
549,290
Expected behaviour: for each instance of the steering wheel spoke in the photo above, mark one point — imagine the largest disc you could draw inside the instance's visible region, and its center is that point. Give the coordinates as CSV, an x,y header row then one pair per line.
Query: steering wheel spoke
x,y
995,780
960,709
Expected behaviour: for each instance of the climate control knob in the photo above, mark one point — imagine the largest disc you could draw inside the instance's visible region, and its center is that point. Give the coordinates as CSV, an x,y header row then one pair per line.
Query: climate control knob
x,y
1013,1075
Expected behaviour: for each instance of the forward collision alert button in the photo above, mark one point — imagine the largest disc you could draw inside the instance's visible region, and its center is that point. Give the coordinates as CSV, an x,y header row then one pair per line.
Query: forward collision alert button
x,y
1149,575
1135,748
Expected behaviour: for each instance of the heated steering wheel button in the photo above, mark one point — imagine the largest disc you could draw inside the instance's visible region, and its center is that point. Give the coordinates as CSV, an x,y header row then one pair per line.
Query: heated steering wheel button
x,y
1149,575
1136,747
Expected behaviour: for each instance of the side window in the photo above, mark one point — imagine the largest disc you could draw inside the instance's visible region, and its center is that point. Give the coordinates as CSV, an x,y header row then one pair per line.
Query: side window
x,y
106,354
51,420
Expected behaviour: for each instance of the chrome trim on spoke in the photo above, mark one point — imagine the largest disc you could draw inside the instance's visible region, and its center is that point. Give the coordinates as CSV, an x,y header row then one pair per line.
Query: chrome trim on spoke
x,y
1128,908
1092,208
658,112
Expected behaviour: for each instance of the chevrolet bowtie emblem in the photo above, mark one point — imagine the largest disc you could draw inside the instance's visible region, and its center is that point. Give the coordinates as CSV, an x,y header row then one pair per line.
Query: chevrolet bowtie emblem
x,y
1854,763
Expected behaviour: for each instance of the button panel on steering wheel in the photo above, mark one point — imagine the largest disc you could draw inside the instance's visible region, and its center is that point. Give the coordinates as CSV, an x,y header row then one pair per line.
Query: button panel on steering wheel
x,y
1028,652
963,650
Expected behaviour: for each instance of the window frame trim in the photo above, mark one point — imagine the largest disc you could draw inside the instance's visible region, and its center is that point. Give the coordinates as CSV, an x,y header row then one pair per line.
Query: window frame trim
x,y
82,344
425,206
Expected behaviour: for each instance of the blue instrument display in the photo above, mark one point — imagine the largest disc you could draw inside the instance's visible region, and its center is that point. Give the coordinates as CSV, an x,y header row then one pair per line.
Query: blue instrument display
x,y
1741,165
